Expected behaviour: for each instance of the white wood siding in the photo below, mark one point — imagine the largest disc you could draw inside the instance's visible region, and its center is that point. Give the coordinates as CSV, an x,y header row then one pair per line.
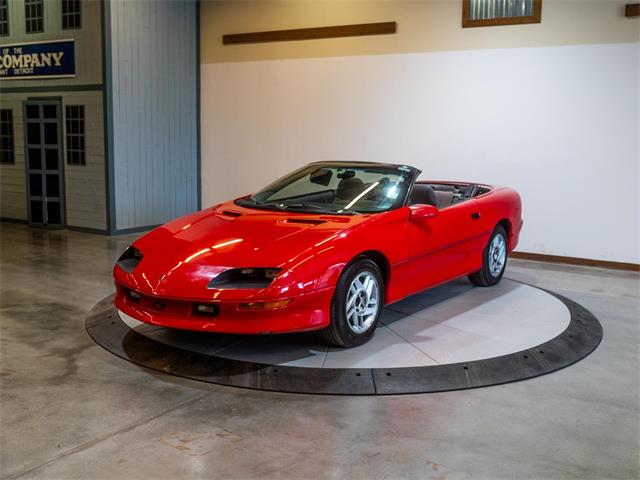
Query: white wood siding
x,y
13,196
84,185
88,41
154,68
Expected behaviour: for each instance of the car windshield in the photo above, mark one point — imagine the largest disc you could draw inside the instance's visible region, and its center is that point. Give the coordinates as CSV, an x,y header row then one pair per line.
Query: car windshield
x,y
345,189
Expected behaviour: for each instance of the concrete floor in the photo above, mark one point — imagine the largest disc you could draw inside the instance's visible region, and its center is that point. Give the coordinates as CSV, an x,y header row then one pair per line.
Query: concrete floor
x,y
69,409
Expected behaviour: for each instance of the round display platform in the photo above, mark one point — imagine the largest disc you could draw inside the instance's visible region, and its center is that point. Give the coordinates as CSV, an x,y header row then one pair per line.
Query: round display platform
x,y
455,336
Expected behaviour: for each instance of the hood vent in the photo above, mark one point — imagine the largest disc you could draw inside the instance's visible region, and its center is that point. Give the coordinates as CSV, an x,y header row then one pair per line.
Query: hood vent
x,y
306,221
229,213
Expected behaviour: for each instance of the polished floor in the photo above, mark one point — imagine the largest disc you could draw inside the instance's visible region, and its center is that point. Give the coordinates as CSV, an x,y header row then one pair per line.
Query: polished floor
x,y
452,323
69,409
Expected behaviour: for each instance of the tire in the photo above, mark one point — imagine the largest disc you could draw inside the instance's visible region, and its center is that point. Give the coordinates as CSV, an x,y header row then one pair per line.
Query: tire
x,y
354,286
494,260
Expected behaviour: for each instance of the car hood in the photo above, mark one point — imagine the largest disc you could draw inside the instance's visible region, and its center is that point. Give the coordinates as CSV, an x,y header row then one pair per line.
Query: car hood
x,y
181,257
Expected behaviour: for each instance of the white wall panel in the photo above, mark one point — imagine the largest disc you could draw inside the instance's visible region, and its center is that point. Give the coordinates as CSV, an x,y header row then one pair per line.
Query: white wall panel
x,y
154,79
560,124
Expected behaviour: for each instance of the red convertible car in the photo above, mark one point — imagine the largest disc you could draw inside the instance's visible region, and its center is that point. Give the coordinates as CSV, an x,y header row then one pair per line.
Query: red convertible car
x,y
324,248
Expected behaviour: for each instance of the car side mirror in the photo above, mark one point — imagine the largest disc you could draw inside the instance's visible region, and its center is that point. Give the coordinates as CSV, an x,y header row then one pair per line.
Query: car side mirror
x,y
422,212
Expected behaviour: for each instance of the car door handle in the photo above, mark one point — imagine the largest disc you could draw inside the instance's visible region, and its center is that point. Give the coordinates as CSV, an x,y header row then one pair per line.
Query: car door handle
x,y
475,216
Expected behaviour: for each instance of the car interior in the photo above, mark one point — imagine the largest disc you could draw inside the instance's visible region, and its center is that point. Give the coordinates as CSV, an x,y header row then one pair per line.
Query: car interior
x,y
443,195
348,185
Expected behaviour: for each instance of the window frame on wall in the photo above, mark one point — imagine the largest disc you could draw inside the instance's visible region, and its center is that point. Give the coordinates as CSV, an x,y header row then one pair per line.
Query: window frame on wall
x,y
75,140
467,22
33,23
7,137
4,18
73,18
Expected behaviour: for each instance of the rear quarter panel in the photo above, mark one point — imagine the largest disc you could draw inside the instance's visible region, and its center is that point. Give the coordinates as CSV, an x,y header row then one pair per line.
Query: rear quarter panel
x,y
502,205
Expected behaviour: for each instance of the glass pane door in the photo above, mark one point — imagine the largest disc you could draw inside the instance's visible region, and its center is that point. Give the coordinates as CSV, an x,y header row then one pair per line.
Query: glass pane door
x,y
45,187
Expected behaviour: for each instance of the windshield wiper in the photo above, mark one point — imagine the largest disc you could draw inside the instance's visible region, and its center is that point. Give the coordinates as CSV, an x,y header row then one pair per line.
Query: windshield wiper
x,y
254,203
248,200
282,205
306,206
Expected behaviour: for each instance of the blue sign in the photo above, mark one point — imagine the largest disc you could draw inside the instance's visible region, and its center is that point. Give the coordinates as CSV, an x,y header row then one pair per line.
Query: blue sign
x,y
52,59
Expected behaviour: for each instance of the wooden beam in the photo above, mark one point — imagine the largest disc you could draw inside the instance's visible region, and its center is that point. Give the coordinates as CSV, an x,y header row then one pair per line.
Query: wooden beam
x,y
383,28
585,262
632,10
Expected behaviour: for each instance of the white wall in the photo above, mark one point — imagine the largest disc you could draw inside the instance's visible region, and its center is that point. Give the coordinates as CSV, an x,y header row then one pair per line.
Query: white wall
x,y
559,124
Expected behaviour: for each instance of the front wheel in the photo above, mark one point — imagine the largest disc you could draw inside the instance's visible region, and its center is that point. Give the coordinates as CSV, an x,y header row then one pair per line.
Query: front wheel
x,y
494,260
356,305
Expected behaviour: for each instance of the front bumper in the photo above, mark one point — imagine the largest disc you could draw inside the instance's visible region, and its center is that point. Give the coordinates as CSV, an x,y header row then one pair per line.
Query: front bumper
x,y
309,311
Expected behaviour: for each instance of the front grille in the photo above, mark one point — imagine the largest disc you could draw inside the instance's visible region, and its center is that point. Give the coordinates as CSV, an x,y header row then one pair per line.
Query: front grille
x,y
163,306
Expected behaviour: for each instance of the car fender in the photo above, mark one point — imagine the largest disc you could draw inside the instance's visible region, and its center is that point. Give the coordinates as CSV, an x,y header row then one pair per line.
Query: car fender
x,y
383,234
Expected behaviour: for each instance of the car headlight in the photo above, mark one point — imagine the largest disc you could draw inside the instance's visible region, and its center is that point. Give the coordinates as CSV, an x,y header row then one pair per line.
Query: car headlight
x,y
130,259
245,278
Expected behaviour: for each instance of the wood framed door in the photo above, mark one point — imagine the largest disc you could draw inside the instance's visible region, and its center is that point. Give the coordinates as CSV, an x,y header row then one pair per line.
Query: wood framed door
x,y
44,162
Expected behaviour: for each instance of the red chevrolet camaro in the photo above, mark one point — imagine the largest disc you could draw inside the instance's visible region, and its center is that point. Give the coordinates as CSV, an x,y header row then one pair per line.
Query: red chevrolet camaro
x,y
324,248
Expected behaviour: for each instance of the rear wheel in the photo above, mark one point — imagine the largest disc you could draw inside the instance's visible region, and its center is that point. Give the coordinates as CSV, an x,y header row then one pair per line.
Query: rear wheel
x,y
356,305
494,260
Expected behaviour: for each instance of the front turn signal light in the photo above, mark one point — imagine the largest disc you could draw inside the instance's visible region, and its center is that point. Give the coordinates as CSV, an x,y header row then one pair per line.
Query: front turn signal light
x,y
265,305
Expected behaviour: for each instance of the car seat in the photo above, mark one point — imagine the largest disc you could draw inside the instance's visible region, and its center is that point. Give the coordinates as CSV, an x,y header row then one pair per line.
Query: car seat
x,y
423,194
